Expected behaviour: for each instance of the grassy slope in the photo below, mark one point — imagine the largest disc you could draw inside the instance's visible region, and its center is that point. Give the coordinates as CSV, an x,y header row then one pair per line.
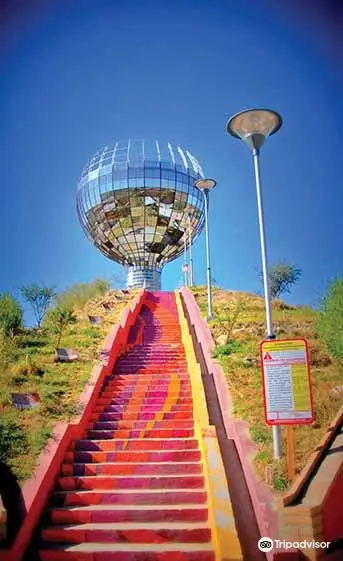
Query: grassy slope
x,y
244,375
58,384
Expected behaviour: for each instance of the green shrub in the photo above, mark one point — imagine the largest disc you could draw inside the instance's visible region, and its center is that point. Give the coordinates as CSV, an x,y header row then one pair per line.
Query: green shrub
x,y
279,478
262,456
57,319
8,350
12,439
259,435
25,367
330,322
11,314
228,349
56,403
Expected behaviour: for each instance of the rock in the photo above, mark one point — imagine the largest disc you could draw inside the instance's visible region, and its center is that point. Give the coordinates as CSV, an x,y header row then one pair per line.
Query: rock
x,y
337,391
239,329
222,339
251,361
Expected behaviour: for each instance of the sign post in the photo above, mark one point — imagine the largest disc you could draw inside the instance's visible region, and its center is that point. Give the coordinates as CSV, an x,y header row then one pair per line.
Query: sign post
x,y
286,381
287,390
290,452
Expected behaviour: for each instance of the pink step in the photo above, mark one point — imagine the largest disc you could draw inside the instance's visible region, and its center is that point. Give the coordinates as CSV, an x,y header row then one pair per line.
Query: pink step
x,y
128,401
109,468
133,456
129,386
149,409
108,513
130,482
147,393
191,532
138,444
129,497
130,392
121,414
132,552
139,433
139,425
132,377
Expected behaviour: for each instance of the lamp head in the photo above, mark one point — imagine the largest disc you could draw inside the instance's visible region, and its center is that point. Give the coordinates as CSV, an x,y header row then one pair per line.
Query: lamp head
x,y
254,126
205,184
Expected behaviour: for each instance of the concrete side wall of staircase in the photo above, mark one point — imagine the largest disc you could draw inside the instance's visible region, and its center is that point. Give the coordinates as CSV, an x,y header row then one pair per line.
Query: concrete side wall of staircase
x,y
35,491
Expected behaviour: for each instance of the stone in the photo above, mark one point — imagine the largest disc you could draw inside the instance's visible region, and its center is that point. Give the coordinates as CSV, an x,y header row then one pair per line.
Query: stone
x,y
222,339
251,361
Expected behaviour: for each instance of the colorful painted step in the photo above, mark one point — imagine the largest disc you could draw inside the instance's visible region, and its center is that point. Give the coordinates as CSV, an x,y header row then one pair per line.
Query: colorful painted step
x,y
132,488
129,552
131,513
117,468
129,497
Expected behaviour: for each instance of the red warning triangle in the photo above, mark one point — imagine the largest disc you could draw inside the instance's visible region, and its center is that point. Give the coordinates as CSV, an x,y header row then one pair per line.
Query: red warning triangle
x,y
267,356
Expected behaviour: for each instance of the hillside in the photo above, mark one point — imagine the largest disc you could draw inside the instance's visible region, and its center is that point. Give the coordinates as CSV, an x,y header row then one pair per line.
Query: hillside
x,y
237,329
28,365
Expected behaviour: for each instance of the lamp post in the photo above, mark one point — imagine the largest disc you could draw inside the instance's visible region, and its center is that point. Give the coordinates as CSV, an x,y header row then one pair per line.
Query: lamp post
x,y
185,264
253,126
190,252
205,186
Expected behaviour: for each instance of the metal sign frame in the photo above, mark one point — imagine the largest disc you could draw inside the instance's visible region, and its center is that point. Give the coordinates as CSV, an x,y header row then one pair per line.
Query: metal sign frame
x,y
277,343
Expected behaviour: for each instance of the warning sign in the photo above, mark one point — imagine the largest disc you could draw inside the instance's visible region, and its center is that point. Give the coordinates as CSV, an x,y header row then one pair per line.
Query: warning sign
x,y
286,382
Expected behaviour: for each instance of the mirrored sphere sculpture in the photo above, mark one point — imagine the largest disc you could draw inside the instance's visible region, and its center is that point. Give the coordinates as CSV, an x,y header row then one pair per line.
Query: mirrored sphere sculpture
x,y
134,200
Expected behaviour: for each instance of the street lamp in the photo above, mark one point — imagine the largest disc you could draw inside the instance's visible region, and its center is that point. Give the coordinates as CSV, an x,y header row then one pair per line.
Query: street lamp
x,y
254,126
190,251
185,264
205,186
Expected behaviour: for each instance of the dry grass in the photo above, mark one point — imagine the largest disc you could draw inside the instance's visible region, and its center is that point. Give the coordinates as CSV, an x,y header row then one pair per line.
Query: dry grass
x,y
243,373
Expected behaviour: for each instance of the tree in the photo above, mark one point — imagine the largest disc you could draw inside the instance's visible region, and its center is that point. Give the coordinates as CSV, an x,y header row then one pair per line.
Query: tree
x,y
59,318
330,322
11,314
39,298
282,276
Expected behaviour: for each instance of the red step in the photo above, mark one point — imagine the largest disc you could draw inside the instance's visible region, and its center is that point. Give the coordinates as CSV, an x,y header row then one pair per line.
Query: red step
x,y
139,433
128,552
129,497
108,468
133,513
133,532
140,425
130,482
133,456
137,444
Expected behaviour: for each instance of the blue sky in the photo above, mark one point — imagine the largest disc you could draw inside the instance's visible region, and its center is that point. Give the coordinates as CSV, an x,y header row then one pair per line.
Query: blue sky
x,y
78,75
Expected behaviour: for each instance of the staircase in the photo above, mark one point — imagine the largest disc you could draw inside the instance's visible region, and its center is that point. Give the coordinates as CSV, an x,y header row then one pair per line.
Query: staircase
x,y
133,488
